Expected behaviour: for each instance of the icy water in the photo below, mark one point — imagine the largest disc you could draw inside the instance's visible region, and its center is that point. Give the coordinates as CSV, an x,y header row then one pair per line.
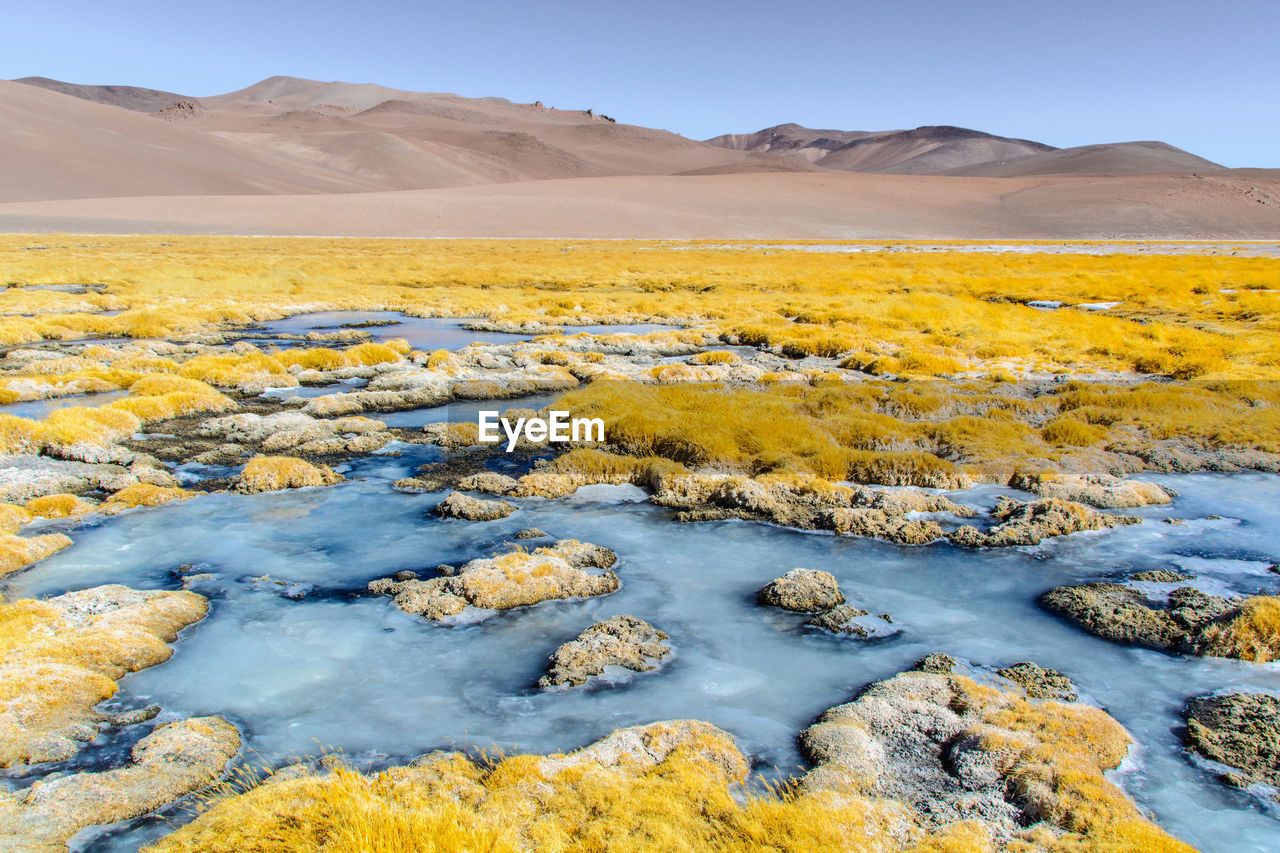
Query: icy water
x,y
424,333
40,409
339,670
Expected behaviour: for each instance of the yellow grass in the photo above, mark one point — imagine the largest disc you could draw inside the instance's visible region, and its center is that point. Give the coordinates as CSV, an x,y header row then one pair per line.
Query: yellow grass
x,y
55,671
143,494
683,803
272,473
912,434
932,312
1253,635
59,506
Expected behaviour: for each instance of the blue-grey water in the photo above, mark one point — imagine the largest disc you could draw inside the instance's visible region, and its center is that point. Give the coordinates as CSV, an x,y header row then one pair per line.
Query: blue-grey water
x,y
341,670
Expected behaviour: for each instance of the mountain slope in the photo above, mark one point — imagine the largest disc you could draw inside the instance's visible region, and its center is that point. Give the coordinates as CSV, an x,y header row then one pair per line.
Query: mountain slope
x,y
129,97
1119,158
923,151
56,146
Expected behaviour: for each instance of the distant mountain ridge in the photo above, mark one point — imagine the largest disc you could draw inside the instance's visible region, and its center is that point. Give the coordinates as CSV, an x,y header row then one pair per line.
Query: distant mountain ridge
x,y
290,155
388,138
947,150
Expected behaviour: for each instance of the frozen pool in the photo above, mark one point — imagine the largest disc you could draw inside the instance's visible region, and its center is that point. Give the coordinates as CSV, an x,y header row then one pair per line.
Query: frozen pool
x,y
341,670
40,409
423,333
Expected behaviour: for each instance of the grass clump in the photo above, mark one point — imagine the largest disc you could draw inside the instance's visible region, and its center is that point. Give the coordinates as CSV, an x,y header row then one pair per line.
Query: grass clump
x,y
273,473
18,552
59,506
1252,635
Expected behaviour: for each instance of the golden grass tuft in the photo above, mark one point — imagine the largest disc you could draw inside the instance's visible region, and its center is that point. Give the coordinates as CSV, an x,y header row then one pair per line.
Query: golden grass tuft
x,y
273,473
59,506
55,670
143,494
12,517
1253,635
18,552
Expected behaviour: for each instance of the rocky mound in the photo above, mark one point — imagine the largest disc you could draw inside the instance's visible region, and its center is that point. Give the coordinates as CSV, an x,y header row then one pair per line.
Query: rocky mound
x,y
621,641
167,764
292,432
802,590
458,505
1189,622
1040,683
65,656
855,622
1241,730
1031,522
952,751
1099,490
516,579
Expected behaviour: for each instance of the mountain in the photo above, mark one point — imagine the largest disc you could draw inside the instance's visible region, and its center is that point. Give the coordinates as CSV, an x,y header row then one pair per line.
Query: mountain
x,y
957,151
923,151
347,137
129,97
290,155
1118,158
53,146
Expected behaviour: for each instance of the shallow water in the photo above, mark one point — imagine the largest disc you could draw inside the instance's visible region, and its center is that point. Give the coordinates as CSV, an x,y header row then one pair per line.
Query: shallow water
x,y
423,333
340,670
40,409
1245,248
463,410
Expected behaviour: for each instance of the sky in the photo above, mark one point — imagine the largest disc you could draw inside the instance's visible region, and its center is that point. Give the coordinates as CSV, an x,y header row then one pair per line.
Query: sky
x,y
1202,76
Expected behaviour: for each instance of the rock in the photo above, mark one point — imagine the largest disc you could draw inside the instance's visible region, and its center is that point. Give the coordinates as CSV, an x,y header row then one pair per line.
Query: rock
x,y
641,748
530,533
517,579
1099,490
100,634
855,622
936,662
1030,522
25,477
881,524
458,505
944,749
621,641
1160,576
1241,730
1123,615
167,764
1040,683
802,590
490,482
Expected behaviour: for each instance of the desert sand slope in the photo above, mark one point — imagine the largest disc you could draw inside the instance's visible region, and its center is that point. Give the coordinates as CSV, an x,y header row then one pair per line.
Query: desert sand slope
x,y
763,205
287,135
923,151
56,146
129,97
417,140
1119,158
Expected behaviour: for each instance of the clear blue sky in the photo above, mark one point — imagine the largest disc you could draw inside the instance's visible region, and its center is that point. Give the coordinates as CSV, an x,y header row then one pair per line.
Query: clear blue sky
x,y
1203,76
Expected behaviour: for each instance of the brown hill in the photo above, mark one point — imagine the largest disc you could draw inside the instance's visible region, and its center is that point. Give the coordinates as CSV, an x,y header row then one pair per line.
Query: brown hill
x,y
1120,158
129,97
289,155
923,151
56,146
